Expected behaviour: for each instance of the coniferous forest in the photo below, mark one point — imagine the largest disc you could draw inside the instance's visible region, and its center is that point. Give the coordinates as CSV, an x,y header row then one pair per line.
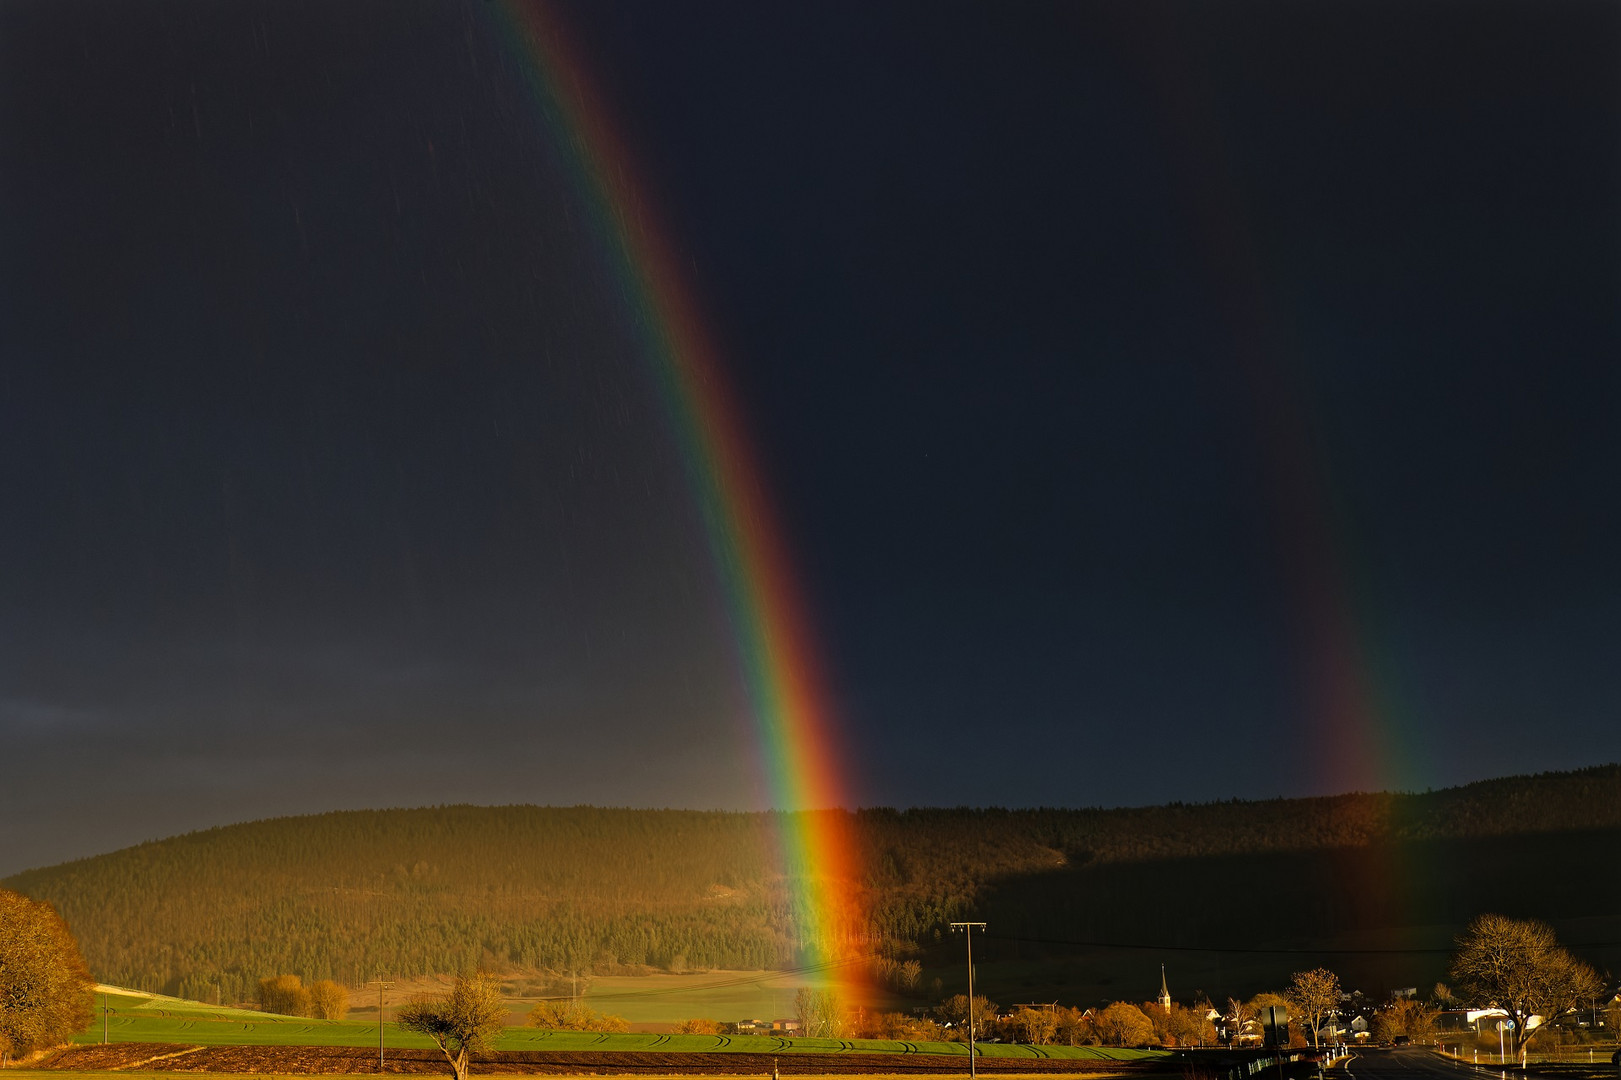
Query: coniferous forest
x,y
1384,879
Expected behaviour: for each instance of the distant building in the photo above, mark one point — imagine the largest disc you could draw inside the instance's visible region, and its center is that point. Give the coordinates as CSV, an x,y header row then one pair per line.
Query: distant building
x,y
1164,991
1455,1020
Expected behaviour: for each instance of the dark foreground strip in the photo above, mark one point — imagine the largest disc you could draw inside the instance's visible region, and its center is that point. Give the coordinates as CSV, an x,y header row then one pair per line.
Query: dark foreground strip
x,y
345,1059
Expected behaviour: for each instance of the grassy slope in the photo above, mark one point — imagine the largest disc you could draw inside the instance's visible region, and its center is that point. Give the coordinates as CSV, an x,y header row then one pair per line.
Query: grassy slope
x,y
137,1017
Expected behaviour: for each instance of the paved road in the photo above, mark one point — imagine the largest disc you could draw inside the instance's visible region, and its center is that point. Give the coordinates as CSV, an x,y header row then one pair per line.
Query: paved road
x,y
1405,1064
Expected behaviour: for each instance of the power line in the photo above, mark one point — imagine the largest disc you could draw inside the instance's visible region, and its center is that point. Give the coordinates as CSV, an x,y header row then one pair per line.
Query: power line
x,y
1235,951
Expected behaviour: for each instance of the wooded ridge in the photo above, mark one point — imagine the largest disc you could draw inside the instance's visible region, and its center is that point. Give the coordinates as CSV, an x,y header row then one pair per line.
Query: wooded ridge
x,y
349,895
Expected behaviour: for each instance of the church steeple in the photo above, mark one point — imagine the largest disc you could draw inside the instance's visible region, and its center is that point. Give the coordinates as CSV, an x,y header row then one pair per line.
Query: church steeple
x,y
1164,991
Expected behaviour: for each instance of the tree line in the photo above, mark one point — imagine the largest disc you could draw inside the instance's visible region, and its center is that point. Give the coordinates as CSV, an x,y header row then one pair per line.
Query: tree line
x,y
1516,966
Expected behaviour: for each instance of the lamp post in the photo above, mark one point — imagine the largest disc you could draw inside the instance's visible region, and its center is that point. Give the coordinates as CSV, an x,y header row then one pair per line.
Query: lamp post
x,y
968,930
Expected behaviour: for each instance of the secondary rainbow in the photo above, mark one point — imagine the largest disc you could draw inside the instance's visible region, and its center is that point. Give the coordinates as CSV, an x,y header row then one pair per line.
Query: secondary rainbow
x,y
798,742
1355,716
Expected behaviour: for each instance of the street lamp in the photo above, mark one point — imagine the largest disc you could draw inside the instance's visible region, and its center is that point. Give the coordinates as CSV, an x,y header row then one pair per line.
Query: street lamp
x,y
968,929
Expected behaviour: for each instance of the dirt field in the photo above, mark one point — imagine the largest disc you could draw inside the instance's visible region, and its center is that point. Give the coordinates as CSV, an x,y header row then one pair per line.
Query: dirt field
x,y
295,1060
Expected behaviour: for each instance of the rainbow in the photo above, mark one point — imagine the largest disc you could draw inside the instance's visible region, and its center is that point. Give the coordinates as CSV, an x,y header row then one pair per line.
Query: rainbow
x,y
798,743
1350,693
1355,717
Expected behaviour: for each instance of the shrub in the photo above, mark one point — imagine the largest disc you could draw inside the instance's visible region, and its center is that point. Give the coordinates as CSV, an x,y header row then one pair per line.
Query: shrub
x,y
698,1027
328,1000
573,1016
284,994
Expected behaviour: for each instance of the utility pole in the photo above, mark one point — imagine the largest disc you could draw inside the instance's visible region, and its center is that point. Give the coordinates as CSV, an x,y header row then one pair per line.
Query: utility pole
x,y
104,1019
381,985
968,930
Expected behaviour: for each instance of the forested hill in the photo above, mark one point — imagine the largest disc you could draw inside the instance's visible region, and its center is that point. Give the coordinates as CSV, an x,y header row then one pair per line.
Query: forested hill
x,y
402,892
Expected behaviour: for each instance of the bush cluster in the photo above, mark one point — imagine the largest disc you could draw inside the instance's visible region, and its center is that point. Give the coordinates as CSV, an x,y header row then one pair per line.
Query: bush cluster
x,y
288,996
572,1015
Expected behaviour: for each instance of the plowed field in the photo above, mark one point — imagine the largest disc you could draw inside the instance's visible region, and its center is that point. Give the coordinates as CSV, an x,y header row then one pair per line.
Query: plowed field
x,y
160,1057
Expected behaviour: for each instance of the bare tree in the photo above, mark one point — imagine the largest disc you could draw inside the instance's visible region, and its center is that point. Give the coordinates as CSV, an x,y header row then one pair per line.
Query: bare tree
x,y
1190,1026
1240,1019
1519,966
1314,995
45,993
819,1012
1036,1026
953,1012
464,1022
1404,1017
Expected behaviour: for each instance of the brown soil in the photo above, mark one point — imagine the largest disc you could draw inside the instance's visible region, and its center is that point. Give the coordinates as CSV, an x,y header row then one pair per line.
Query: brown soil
x,y
161,1057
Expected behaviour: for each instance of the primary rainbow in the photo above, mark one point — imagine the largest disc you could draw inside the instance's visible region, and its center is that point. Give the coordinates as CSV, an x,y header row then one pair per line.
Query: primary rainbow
x,y
798,743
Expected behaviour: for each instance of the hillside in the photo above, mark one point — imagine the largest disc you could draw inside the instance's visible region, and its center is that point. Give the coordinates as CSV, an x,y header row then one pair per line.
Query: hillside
x,y
1231,895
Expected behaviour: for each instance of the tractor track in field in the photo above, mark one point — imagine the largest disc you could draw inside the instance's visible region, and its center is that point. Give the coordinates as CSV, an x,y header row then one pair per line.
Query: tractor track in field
x,y
290,1060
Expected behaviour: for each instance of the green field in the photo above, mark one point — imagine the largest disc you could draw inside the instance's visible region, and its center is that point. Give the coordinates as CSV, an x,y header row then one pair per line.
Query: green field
x,y
293,1031
156,1019
135,1017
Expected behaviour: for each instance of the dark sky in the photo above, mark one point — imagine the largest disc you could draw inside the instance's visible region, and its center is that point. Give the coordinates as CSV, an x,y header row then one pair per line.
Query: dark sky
x,y
1162,401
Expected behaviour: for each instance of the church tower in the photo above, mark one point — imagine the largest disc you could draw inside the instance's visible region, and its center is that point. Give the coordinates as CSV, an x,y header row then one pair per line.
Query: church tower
x,y
1164,991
